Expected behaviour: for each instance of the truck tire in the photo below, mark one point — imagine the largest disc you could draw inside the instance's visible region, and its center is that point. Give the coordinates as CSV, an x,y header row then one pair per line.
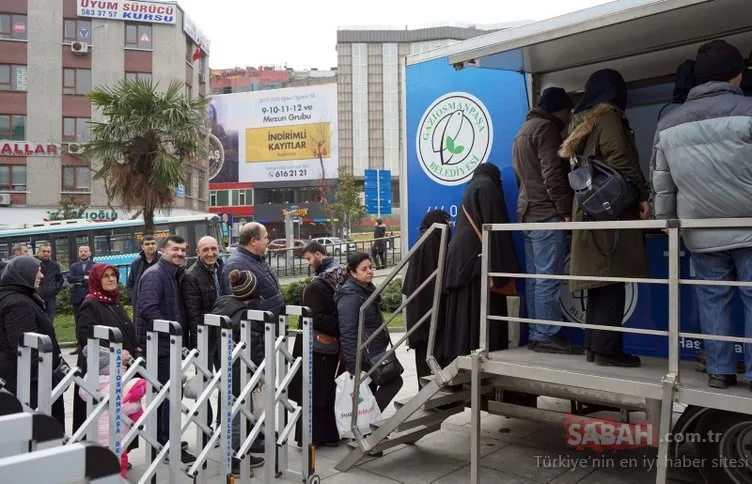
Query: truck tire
x,y
685,425
728,454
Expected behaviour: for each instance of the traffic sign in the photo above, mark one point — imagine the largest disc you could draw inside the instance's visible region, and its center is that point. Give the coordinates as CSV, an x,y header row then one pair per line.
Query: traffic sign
x,y
377,188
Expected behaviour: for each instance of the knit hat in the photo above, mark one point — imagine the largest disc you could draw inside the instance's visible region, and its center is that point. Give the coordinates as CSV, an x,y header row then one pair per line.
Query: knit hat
x,y
718,61
554,99
104,359
242,284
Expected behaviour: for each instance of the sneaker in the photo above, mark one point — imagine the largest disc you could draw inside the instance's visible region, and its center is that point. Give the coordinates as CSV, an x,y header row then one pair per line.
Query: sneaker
x,y
721,381
557,345
74,352
621,359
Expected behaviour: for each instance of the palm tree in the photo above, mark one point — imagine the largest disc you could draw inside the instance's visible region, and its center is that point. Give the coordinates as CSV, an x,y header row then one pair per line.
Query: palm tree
x,y
141,147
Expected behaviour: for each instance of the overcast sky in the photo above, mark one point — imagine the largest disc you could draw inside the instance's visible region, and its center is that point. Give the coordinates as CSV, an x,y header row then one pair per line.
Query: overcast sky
x,y
303,33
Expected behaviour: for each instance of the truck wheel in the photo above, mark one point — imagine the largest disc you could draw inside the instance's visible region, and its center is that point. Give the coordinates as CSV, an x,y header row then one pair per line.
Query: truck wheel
x,y
726,446
685,425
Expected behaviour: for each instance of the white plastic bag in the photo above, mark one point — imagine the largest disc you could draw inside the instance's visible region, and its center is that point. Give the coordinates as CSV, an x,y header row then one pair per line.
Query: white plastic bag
x,y
368,409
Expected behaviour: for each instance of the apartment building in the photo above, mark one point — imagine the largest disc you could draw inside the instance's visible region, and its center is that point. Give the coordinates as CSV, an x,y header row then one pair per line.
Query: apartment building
x,y
52,53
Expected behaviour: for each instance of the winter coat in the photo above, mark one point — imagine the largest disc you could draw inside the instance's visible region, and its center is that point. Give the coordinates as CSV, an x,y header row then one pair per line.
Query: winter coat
x,y
268,290
349,298
604,130
199,296
379,245
702,156
138,267
541,172
53,280
93,313
159,298
77,278
236,311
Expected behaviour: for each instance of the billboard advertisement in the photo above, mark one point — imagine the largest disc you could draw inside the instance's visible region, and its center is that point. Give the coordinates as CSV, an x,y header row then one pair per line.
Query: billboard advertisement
x,y
134,11
276,135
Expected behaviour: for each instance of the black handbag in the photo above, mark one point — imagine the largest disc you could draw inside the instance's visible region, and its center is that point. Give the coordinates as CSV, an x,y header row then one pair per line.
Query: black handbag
x,y
388,370
325,344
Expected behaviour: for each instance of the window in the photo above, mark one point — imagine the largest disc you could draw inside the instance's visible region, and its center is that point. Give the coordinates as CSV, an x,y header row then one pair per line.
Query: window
x,y
12,127
76,179
202,68
13,178
201,188
75,129
76,30
189,49
140,76
76,81
238,198
138,36
212,199
12,26
189,185
223,199
12,77
188,91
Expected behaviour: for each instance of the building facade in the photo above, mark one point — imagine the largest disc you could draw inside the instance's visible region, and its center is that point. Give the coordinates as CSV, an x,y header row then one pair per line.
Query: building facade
x,y
369,93
52,53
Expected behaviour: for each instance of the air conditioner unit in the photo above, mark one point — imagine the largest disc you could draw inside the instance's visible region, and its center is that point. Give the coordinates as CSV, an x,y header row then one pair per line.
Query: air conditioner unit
x,y
75,148
4,199
79,48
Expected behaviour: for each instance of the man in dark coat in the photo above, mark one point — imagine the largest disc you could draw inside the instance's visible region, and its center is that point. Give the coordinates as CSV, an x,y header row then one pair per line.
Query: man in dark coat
x,y
545,196
53,280
420,267
159,298
146,258
78,277
251,256
379,244
318,296
482,203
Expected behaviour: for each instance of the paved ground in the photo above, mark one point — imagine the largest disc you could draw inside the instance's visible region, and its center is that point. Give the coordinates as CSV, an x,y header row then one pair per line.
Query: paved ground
x,y
514,451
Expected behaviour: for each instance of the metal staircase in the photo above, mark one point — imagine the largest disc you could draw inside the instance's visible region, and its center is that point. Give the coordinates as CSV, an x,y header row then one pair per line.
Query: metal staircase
x,y
445,393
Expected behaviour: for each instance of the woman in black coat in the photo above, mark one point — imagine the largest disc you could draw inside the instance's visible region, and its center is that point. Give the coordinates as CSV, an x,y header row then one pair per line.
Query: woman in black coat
x,y
318,296
101,306
421,266
22,311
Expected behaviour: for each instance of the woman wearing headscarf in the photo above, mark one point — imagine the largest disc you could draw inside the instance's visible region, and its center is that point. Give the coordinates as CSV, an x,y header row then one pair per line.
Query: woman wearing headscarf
x,y
101,306
422,264
601,129
318,296
482,203
22,311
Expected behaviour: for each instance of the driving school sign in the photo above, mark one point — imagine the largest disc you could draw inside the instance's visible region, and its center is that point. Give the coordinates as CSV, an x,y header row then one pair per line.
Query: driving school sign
x,y
151,12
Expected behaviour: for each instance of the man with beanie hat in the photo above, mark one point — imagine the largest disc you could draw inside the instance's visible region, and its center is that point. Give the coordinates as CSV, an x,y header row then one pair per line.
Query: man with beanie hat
x,y
545,196
702,156
244,296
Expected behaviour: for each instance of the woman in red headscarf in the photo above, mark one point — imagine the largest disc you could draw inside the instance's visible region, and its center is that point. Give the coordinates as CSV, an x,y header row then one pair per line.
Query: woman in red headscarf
x,y
101,306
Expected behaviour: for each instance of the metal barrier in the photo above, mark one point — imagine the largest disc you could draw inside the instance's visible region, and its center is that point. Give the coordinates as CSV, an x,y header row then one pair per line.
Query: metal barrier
x,y
438,276
72,463
671,390
276,372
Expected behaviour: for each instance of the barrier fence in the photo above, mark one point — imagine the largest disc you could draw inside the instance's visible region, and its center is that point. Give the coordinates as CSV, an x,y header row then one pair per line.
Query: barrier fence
x,y
276,421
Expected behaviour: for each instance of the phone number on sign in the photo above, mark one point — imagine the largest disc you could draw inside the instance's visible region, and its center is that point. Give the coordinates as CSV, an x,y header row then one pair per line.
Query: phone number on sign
x,y
288,173
98,13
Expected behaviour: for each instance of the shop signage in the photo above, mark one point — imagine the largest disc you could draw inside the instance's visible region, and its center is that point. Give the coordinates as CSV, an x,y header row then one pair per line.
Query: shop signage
x,y
14,148
151,12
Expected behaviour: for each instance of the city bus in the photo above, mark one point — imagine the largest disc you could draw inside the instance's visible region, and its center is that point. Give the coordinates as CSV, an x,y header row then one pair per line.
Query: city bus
x,y
117,242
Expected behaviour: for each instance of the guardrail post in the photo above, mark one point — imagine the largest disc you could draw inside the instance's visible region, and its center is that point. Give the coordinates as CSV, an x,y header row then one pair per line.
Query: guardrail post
x,y
42,344
485,259
115,339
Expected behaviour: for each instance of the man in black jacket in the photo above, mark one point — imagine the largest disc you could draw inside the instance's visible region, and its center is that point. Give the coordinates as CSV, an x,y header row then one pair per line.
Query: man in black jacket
x,y
146,258
53,279
251,256
318,259
78,277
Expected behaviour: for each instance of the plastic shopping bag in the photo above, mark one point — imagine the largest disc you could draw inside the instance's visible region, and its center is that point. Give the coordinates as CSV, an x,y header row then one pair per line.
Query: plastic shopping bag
x,y
368,409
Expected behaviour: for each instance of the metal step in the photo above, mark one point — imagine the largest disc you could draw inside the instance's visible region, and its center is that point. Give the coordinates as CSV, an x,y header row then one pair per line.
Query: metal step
x,y
423,417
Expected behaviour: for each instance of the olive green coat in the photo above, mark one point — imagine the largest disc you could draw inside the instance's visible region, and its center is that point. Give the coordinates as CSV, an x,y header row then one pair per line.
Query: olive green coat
x,y
609,127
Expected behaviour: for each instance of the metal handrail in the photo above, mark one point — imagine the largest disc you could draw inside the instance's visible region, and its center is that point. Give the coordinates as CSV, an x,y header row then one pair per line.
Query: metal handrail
x,y
438,276
671,227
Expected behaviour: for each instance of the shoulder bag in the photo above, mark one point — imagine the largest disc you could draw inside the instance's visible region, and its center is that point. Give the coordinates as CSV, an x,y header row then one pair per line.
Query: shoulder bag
x,y
508,289
388,370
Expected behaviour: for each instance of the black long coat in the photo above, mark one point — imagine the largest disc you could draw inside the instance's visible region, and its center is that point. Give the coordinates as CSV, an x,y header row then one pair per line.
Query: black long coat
x,y
484,201
319,297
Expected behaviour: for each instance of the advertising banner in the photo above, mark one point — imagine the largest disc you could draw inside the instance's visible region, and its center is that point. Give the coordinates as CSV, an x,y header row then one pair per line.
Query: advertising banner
x,y
150,12
276,135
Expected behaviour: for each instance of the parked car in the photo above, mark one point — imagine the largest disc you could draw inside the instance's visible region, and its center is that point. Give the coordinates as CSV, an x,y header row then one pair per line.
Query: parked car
x,y
276,247
335,245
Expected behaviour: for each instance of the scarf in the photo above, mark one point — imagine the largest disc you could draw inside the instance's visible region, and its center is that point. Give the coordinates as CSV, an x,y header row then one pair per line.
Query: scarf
x,y
334,277
95,285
